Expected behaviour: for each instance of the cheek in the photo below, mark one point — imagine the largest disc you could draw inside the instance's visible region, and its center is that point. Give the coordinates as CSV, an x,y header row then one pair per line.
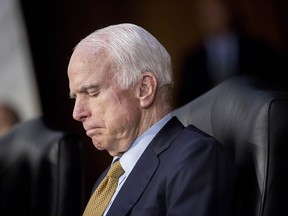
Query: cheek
x,y
122,102
122,113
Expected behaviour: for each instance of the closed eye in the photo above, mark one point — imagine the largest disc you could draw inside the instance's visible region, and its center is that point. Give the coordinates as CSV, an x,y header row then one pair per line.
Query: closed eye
x,y
91,90
93,93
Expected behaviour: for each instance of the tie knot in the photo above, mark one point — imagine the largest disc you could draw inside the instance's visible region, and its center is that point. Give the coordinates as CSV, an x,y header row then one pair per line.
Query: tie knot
x,y
116,170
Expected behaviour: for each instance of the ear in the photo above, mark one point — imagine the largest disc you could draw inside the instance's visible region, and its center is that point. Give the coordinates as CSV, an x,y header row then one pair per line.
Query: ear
x,y
147,89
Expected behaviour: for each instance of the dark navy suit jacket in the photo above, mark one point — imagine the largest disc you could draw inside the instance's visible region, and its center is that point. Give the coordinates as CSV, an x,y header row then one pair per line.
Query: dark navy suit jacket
x,y
183,171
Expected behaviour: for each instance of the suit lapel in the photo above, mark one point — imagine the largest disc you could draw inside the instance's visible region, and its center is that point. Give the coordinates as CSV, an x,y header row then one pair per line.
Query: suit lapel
x,y
144,169
134,185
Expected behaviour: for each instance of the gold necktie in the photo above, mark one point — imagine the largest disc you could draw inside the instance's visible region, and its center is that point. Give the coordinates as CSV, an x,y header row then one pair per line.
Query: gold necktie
x,y
104,192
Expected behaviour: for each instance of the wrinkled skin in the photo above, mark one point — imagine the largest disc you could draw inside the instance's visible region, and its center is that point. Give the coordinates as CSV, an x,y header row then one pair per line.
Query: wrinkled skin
x,y
112,117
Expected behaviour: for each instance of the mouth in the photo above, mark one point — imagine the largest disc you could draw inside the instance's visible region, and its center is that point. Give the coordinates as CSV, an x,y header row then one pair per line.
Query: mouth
x,y
90,132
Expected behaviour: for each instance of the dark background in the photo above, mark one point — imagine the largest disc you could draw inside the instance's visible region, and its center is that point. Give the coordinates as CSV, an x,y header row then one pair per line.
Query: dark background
x,y
56,26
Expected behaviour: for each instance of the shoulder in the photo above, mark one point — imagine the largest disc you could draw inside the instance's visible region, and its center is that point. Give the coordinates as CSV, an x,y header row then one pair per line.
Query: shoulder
x,y
192,134
194,144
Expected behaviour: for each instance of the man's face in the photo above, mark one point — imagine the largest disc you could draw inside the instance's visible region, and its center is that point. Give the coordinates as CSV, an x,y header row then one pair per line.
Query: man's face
x,y
110,116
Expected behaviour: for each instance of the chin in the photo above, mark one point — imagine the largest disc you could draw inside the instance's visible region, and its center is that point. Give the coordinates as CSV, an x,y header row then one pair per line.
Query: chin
x,y
114,154
98,145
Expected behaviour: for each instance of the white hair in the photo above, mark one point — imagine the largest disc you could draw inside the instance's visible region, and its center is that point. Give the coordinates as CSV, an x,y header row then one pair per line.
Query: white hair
x,y
135,51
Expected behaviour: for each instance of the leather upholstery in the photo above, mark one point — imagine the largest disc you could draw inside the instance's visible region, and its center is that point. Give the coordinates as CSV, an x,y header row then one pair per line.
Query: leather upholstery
x,y
251,120
40,171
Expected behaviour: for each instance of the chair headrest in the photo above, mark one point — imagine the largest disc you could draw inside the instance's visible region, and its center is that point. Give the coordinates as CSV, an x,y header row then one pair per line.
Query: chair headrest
x,y
237,110
245,115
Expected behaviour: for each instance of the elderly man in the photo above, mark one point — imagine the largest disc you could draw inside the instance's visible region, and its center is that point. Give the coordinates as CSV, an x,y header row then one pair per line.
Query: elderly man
x,y
121,79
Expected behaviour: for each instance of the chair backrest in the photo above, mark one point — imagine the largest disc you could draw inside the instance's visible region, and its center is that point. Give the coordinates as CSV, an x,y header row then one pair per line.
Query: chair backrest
x,y
40,171
251,120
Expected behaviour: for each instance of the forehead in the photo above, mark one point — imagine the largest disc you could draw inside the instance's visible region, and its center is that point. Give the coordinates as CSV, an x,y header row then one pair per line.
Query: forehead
x,y
85,55
89,65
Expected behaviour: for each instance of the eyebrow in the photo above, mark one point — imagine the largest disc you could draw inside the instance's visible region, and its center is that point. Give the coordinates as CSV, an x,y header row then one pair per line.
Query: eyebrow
x,y
84,90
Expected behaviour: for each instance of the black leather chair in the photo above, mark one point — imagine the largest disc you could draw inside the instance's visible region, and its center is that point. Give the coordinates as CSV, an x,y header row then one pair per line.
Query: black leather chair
x,y
40,171
251,120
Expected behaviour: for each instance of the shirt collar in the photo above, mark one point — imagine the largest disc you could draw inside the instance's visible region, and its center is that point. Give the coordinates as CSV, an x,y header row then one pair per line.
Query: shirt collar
x,y
132,155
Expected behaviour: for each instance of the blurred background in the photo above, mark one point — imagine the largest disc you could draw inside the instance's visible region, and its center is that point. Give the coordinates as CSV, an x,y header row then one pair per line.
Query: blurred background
x,y
37,38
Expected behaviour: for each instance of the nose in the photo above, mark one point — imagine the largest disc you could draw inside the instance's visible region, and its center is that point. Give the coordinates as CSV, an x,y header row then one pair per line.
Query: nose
x,y
80,111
